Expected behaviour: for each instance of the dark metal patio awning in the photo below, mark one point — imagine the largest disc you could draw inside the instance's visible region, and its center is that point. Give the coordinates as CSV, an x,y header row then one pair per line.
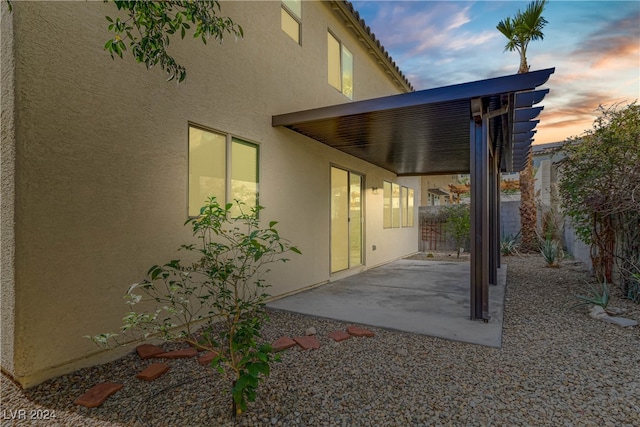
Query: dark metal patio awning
x,y
482,128
424,132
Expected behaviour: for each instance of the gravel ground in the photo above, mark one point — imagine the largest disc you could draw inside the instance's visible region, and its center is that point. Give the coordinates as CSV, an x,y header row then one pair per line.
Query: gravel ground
x,y
556,367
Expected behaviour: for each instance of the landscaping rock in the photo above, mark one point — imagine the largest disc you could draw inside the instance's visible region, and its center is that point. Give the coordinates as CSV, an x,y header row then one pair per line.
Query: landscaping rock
x,y
615,310
178,354
338,336
548,372
146,351
620,321
307,342
310,331
153,371
598,312
282,344
357,331
97,394
206,358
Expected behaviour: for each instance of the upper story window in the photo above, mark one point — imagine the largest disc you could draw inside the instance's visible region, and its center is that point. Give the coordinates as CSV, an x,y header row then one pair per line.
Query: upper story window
x,y
222,166
291,13
340,61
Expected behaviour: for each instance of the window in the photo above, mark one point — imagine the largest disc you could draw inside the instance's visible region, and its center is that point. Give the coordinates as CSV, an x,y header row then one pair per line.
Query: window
x,y
291,13
386,204
404,200
221,166
340,66
410,207
244,173
397,206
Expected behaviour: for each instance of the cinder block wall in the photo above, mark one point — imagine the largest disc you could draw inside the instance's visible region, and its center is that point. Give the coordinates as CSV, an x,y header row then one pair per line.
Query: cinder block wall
x,y
509,218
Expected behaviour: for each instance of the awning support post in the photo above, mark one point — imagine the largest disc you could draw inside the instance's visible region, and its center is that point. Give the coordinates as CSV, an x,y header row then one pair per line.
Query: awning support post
x,y
479,156
494,233
498,235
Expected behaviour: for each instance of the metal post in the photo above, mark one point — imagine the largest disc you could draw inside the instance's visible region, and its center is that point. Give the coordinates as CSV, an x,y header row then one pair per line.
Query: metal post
x,y
494,195
479,156
498,218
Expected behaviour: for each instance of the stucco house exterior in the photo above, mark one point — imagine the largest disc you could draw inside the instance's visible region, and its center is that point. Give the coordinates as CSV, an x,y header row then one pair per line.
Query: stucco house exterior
x,y
103,161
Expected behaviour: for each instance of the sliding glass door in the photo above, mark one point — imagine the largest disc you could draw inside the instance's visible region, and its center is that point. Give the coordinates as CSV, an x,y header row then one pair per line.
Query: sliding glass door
x,y
346,219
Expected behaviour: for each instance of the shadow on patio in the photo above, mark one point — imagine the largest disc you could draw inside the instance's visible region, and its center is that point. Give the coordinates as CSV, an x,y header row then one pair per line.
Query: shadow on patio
x,y
424,297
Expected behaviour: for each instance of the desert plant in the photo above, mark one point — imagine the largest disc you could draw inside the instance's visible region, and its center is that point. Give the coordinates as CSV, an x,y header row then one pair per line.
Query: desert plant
x,y
509,244
594,296
458,224
552,224
217,302
633,290
551,252
521,29
599,185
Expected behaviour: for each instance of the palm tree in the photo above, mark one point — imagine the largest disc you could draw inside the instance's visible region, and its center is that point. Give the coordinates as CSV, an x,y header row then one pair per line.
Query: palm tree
x,y
523,28
520,30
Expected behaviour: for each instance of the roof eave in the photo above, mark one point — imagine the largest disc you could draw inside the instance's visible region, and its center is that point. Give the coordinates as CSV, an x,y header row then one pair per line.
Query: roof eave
x,y
364,34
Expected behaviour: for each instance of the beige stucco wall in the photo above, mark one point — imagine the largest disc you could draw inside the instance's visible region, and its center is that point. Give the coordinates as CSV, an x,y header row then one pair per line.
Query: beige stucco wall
x,y
101,163
7,175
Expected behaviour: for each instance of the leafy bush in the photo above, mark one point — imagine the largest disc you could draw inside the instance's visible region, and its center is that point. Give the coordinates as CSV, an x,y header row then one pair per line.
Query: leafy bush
x,y
458,224
599,187
217,302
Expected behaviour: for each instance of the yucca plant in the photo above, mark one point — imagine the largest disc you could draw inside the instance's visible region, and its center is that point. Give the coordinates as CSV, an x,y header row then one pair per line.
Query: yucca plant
x,y
594,296
509,245
551,252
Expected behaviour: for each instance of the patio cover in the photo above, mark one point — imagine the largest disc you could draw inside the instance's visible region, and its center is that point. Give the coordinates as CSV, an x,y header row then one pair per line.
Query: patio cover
x,y
482,128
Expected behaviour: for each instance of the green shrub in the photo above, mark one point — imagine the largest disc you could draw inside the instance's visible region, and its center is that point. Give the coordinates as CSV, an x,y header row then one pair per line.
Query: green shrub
x,y
551,252
217,302
458,224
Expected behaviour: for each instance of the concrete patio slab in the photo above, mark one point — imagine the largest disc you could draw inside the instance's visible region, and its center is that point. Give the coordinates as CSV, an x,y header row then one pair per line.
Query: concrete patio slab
x,y
424,297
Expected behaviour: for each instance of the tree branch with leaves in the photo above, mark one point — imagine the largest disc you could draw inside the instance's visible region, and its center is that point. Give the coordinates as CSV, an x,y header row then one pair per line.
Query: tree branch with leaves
x,y
149,26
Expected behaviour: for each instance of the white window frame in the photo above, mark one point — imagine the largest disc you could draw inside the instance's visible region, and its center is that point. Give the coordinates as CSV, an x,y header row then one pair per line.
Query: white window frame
x,y
296,17
229,141
406,203
343,51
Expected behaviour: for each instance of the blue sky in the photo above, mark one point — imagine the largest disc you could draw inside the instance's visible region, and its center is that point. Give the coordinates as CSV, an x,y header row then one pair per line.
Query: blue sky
x,y
594,46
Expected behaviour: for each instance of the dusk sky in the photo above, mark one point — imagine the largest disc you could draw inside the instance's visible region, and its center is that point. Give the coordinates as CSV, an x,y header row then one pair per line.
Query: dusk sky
x,y
593,45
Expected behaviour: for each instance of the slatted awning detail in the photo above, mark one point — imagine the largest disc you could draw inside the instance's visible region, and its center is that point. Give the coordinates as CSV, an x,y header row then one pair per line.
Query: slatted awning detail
x,y
427,132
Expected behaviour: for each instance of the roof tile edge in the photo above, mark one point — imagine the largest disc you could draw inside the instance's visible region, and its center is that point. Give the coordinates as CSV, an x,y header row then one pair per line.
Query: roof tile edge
x,y
376,48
